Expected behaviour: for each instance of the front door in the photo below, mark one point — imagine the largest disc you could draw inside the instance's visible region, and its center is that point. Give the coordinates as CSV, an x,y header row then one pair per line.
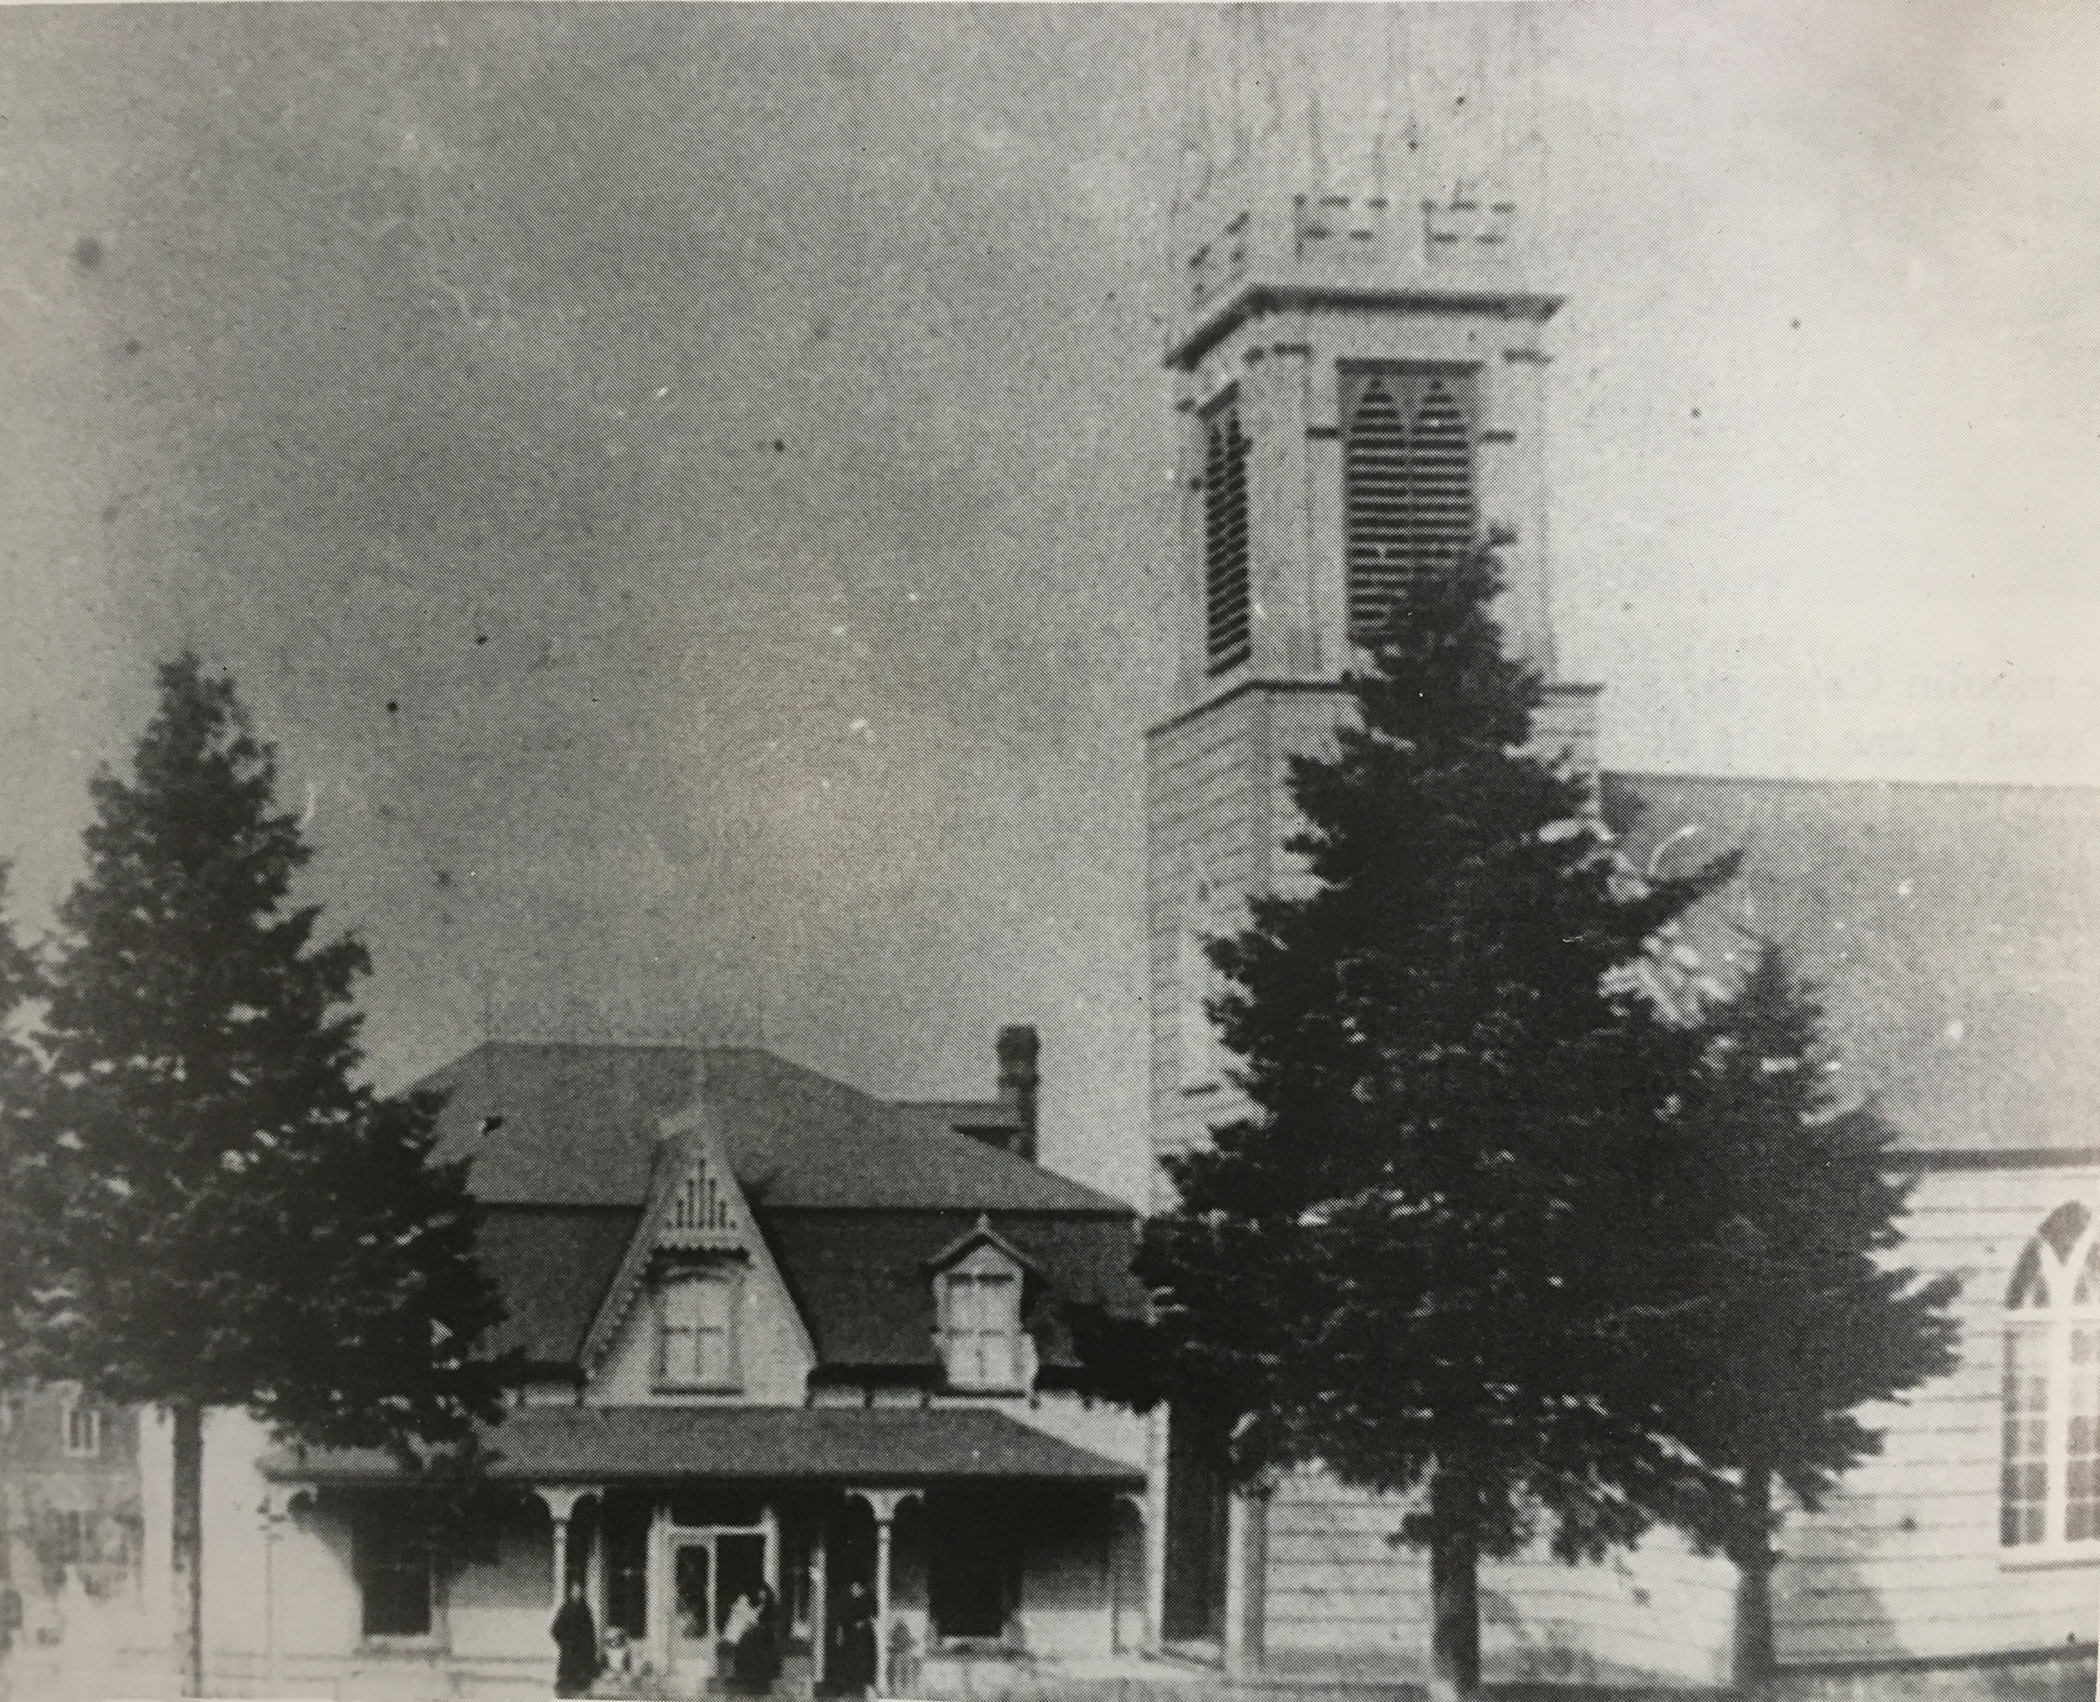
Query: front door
x,y
740,1568
710,1574
692,1609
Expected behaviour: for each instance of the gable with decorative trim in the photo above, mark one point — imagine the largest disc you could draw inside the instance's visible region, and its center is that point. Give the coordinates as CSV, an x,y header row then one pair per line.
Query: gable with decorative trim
x,y
698,1309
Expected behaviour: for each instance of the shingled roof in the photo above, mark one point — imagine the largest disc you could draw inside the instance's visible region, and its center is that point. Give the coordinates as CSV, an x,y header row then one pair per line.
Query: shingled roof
x,y
577,1125
767,1444
853,1194
1950,930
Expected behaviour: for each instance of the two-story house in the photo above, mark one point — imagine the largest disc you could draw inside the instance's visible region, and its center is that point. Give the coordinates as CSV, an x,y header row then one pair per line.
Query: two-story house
x,y
69,1519
776,1330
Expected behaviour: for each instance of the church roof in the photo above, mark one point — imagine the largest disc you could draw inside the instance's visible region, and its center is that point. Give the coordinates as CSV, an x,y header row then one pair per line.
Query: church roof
x,y
1950,930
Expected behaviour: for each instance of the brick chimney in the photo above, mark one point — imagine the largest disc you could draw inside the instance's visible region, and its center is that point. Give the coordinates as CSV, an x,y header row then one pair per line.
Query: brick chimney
x,y
1018,1049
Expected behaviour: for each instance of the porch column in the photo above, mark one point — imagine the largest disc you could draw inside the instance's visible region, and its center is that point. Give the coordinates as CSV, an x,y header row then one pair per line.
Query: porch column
x,y
1156,1528
660,1585
883,1503
561,1502
1136,1505
1246,1579
819,1598
276,1508
594,1569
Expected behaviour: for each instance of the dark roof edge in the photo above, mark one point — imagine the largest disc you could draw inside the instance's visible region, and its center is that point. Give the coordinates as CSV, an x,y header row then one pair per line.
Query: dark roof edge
x,y
2008,1158
1110,1207
1811,782
1988,1660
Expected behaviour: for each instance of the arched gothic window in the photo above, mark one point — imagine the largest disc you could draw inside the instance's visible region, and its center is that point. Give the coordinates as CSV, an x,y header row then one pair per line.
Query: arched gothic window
x,y
1407,484
2049,1491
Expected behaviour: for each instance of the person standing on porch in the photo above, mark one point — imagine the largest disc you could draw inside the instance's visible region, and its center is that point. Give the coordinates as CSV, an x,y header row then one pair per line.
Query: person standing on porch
x,y
575,1636
758,1648
856,1641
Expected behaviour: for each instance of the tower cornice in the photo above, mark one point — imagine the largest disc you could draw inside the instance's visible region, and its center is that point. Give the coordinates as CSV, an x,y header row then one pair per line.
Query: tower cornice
x,y
1254,301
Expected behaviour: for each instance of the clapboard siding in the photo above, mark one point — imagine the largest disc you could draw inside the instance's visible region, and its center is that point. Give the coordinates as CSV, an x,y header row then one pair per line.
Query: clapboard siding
x,y
1217,812
1904,1561
1203,783
1340,1586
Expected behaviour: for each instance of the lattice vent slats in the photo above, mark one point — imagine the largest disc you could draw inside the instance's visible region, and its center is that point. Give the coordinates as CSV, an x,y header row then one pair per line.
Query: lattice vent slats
x,y
1376,476
1441,463
1407,473
1227,590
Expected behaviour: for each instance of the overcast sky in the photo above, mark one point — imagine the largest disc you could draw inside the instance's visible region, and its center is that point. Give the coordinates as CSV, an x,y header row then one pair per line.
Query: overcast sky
x,y
687,489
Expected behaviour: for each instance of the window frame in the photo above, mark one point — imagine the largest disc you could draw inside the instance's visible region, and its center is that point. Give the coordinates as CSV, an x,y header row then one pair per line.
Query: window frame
x,y
74,1412
988,1550
366,1523
730,1281
963,1341
2043,1316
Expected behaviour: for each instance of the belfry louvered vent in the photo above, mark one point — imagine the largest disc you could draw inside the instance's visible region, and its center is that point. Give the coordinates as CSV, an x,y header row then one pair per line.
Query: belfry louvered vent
x,y
1407,480
1228,603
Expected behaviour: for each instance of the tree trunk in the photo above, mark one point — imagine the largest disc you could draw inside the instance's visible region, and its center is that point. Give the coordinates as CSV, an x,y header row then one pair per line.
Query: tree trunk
x,y
1454,1588
1754,1560
187,1528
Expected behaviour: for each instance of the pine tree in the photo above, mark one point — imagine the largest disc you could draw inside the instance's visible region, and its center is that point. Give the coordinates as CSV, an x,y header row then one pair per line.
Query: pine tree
x,y
21,1221
1444,1252
242,1222
1807,1318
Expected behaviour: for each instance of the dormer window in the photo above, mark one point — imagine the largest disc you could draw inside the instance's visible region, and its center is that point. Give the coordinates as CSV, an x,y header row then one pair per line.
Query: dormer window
x,y
984,1329
978,1299
696,1331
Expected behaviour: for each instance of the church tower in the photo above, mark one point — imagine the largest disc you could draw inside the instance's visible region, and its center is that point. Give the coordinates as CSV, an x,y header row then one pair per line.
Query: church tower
x,y
1359,379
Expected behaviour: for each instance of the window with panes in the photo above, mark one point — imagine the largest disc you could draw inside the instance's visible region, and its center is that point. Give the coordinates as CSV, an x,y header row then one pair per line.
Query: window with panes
x,y
2049,1390
696,1341
984,1329
1409,509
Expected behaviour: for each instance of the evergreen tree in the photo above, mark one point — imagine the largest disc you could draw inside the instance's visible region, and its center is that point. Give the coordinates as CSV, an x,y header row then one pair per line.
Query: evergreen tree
x,y
241,1223
21,1222
1445,1252
1806,1318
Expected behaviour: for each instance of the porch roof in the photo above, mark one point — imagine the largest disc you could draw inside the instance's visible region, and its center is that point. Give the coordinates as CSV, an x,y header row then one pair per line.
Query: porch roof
x,y
856,1445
